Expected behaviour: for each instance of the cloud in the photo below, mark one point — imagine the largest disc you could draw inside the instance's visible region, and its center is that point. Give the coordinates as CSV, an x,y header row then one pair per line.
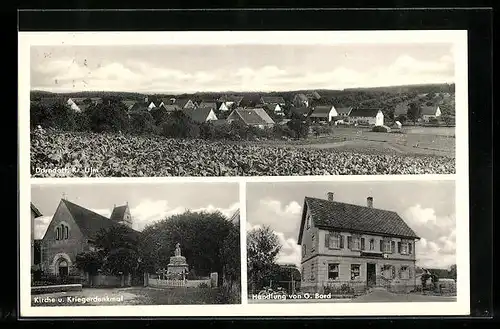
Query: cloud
x,y
437,247
69,74
146,212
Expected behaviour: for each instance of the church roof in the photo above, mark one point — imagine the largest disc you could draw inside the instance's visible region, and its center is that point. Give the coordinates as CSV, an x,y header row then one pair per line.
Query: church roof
x,y
35,210
89,222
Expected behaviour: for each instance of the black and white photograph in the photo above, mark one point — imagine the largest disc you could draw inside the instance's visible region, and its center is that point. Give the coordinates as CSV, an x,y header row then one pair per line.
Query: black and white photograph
x,y
135,244
349,242
243,109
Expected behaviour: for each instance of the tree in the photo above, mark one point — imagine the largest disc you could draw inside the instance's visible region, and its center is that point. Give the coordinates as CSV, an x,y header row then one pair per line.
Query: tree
x,y
299,125
453,271
447,119
142,122
413,112
116,237
110,116
89,261
263,247
121,261
231,257
202,236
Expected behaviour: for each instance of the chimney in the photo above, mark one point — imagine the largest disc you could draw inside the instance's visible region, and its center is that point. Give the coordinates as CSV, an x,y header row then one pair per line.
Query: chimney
x,y
369,202
330,196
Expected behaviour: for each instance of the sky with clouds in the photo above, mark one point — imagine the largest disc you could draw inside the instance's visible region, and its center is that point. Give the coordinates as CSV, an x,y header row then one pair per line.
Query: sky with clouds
x,y
427,207
205,68
148,202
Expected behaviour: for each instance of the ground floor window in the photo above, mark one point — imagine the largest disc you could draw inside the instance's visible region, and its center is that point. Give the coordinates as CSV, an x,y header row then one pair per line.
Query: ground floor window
x,y
355,271
404,272
388,272
333,271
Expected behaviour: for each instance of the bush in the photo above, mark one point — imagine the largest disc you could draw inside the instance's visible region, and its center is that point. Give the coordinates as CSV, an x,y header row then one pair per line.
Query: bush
x,y
142,123
381,129
203,285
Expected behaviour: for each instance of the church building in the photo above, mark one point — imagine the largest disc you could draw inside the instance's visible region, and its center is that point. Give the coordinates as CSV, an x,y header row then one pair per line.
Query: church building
x,y
72,230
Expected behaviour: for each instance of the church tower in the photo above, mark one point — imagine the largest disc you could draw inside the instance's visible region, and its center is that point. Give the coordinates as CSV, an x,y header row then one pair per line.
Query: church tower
x,y
121,214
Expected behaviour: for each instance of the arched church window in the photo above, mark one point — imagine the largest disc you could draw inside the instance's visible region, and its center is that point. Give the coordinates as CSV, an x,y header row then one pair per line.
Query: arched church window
x,y
58,233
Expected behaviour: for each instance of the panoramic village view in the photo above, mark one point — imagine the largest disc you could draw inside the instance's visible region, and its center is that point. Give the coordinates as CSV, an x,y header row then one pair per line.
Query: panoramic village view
x,y
351,242
135,244
116,111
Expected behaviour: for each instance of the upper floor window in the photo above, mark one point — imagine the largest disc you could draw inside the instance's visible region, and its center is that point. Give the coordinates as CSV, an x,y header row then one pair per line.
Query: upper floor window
x,y
393,246
334,241
404,248
372,244
313,240
410,248
354,242
308,222
385,246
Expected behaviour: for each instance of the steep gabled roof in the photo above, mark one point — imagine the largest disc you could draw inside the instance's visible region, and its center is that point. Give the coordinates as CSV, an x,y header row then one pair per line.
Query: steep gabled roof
x,y
199,114
353,218
250,116
170,108
344,110
428,110
89,222
35,210
364,112
181,102
139,107
272,99
301,97
263,114
211,105
321,111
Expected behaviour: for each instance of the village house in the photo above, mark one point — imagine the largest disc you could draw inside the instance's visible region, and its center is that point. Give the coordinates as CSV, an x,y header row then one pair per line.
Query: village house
x,y
201,114
300,100
272,100
210,105
357,246
325,113
35,213
428,113
229,101
344,111
256,117
366,116
169,107
184,103
223,107
72,230
274,108
149,103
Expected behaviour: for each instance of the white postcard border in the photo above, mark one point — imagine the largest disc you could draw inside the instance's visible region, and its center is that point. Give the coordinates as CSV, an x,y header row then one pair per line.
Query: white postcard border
x,y
460,307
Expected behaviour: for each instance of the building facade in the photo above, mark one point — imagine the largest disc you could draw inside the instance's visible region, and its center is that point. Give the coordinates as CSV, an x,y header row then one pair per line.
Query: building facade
x,y
364,116
35,213
430,112
357,246
71,231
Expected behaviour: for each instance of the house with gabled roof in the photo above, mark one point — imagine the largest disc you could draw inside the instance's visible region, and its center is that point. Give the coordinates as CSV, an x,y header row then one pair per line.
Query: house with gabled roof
x,y
359,246
301,111
324,113
73,230
344,111
184,103
274,108
211,105
251,116
430,112
272,100
300,100
366,116
201,114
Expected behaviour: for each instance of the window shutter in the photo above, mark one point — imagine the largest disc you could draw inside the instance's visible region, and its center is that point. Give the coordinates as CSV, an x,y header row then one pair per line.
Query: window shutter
x,y
381,245
362,243
327,240
410,247
341,237
349,242
399,247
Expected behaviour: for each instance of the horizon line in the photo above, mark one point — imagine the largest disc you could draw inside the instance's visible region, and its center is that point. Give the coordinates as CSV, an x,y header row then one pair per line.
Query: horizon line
x,y
248,91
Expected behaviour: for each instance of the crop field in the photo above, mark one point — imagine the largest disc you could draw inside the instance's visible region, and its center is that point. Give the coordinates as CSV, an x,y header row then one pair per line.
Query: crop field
x,y
71,154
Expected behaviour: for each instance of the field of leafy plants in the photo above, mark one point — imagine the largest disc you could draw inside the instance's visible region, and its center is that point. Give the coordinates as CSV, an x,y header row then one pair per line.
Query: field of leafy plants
x,y
117,155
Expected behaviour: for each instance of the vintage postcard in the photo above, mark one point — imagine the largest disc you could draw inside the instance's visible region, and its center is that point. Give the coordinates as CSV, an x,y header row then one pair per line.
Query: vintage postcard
x,y
243,103
225,173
